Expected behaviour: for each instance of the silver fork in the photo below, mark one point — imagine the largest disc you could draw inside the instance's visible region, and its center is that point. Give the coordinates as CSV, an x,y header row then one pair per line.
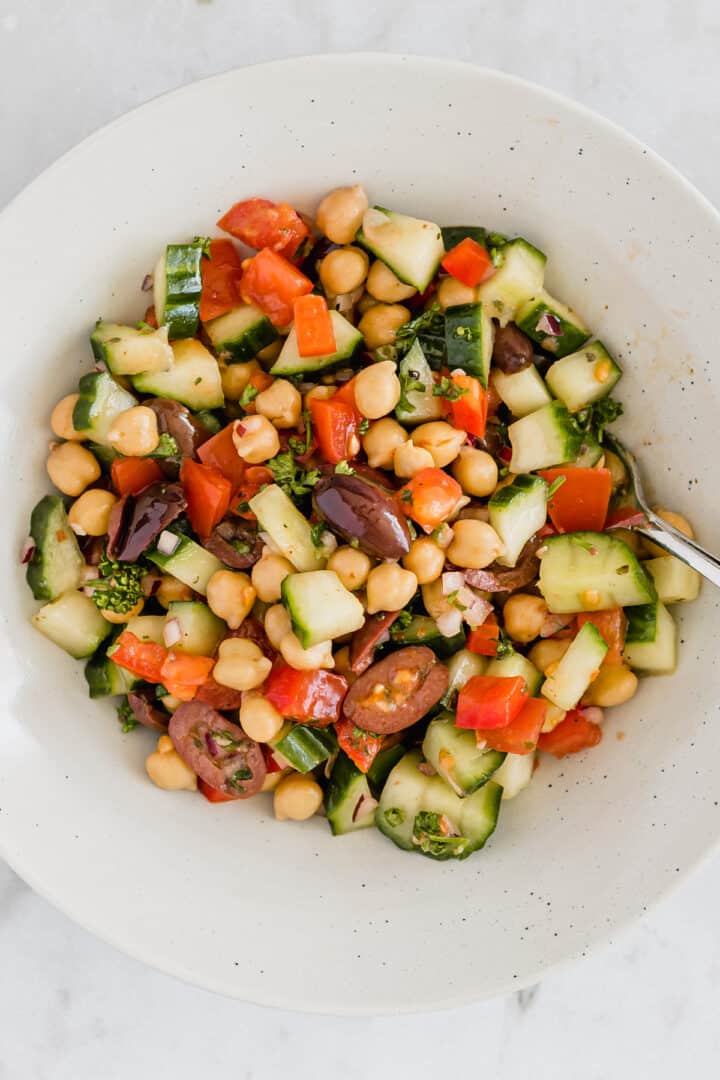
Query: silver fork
x,y
660,532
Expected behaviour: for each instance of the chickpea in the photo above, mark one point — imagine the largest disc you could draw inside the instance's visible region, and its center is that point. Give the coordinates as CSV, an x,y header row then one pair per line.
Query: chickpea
x,y
548,651
167,770
255,439
452,292
72,468
381,440
615,685
553,716
272,779
277,624
323,393
351,566
441,439
366,302
135,432
340,213
386,286
268,575
410,459
379,323
259,718
475,544
317,656
343,270
523,616
89,515
435,601
377,389
678,522
241,664
61,419
618,472
475,471
297,798
271,352
171,589
230,596
123,616
235,377
390,588
426,560
281,403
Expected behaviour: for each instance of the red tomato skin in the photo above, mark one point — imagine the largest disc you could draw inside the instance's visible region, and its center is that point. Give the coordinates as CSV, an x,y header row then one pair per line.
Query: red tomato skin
x,y
581,502
273,283
572,735
362,747
490,701
522,734
313,697
260,223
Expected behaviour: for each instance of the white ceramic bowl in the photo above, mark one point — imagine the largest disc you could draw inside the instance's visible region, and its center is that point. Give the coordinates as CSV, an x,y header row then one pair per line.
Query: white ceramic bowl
x,y
224,896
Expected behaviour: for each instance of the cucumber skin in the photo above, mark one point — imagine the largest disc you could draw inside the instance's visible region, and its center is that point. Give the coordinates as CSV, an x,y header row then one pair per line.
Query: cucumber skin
x,y
465,330
346,784
571,338
626,556
42,524
306,747
183,288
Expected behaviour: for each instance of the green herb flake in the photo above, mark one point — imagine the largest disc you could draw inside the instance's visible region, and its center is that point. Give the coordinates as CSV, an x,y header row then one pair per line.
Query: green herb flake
x,y
317,533
344,469
363,425
294,480
557,483
431,321
167,447
447,389
249,394
403,620
407,496
119,586
126,716
394,816
204,242
409,383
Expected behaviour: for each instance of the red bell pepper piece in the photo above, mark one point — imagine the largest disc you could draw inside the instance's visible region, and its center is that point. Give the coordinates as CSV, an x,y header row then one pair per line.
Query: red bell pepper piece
x,y
333,423
484,639
130,475
220,452
572,735
273,283
313,326
430,497
212,794
260,223
313,697
208,495
490,701
220,280
143,658
469,262
362,747
581,501
256,476
612,626
521,735
184,673
469,412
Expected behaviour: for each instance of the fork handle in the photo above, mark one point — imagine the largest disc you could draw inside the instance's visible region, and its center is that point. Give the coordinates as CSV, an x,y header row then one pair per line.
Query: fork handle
x,y
673,541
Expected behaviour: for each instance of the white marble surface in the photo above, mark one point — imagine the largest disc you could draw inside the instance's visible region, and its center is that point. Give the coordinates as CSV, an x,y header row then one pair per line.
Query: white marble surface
x,y
70,1007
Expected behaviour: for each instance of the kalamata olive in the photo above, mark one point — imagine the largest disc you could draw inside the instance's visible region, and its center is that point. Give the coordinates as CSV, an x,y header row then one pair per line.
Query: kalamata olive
x,y
218,696
236,543
217,750
366,640
135,520
494,439
364,514
146,711
497,578
174,419
512,350
397,691
253,630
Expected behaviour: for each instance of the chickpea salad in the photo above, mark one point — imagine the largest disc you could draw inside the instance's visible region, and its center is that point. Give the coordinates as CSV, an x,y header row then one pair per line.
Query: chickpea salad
x,y
336,521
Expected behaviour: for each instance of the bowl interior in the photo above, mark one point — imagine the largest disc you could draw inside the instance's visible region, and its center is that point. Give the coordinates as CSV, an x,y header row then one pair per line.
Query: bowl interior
x,y
224,896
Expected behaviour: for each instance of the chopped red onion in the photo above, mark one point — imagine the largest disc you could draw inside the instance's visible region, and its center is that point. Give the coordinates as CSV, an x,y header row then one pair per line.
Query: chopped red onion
x,y
147,283
27,550
239,428
211,744
449,623
426,768
594,714
77,529
167,542
553,623
477,612
452,580
172,632
549,324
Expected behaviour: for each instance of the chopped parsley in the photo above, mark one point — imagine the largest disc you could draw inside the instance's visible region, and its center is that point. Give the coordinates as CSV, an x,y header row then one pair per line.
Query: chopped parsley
x,y
249,394
410,382
407,496
596,418
126,716
557,483
433,834
363,425
166,447
504,645
119,586
431,321
447,389
344,469
317,533
291,477
302,446
204,242
403,620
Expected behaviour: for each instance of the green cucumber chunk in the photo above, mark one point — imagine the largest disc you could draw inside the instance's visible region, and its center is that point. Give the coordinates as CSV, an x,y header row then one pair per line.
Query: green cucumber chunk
x,y
106,678
515,664
194,379
461,667
56,563
189,563
549,436
576,668
100,402
287,528
348,803
674,580
348,342
588,571
128,351
454,754
515,774
177,286
520,275
200,630
523,392
554,326
469,338
417,404
304,747
411,247
149,628
583,377
242,333
651,643
517,511
74,623
423,630
320,606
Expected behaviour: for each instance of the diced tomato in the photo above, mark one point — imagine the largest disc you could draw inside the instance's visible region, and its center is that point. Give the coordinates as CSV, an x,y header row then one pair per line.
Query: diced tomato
x,y
130,475
572,735
208,495
333,423
468,262
490,701
314,697
273,283
220,280
581,501
430,497
212,794
220,452
143,658
271,762
612,626
150,317
470,411
546,530
484,639
362,747
256,476
260,223
183,673
313,326
521,735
